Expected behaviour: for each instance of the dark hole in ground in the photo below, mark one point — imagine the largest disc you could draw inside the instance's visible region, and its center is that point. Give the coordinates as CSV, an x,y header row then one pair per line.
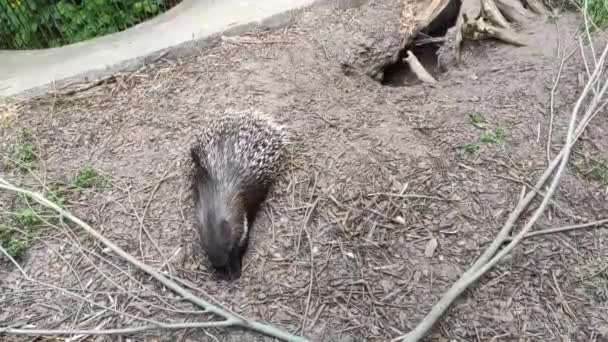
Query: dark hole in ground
x,y
399,74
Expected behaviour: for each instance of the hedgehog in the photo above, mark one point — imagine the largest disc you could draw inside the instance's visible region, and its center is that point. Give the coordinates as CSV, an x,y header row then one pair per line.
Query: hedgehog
x,y
234,161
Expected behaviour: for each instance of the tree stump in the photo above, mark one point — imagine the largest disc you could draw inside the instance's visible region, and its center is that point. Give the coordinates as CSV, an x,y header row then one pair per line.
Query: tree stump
x,y
382,33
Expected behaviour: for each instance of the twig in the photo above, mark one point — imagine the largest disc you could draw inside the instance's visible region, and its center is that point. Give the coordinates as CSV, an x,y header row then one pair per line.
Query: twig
x,y
552,99
588,34
490,257
418,69
429,40
87,86
566,228
307,217
312,277
145,211
69,293
220,311
168,326
388,194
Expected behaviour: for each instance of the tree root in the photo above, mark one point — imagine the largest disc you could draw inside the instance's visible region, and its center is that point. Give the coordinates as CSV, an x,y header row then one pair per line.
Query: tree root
x,y
587,105
537,7
373,45
418,69
487,19
490,11
480,29
514,11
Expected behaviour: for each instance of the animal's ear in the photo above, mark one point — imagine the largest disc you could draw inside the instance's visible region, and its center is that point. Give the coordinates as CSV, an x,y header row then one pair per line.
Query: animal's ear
x,y
201,170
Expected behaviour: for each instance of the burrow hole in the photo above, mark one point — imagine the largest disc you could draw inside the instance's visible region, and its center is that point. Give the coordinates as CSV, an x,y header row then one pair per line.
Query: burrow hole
x,y
399,74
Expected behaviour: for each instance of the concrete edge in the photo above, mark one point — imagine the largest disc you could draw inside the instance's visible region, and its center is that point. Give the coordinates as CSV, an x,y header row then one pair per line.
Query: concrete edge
x,y
180,50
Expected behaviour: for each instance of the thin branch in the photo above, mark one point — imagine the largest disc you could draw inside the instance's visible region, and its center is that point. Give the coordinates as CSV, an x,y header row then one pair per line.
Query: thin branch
x,y
72,294
123,331
552,99
252,325
489,258
566,228
418,69
588,34
312,274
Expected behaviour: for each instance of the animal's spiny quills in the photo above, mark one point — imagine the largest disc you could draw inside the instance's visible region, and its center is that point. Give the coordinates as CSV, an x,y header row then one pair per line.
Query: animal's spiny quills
x,y
235,160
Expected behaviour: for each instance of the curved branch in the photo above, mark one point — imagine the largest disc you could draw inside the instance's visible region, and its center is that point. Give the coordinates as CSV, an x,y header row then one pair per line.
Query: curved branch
x,y
536,6
418,69
567,228
492,13
220,311
489,258
514,11
123,331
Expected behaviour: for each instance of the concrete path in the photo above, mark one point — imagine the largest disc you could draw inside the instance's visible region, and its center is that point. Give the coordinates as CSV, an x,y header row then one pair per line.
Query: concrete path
x,y
184,29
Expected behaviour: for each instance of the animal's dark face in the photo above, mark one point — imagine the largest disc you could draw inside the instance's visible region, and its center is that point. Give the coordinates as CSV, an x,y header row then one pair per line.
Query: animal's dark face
x,y
224,243
222,228
220,220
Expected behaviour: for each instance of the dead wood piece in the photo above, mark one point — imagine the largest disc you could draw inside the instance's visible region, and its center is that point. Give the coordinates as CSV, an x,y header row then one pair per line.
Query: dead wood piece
x,y
480,29
407,13
85,87
514,11
490,11
449,53
430,40
373,43
418,69
494,253
504,35
229,318
379,32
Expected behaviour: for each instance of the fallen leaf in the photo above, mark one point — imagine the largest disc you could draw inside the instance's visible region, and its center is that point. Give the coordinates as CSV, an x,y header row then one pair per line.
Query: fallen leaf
x,y
431,246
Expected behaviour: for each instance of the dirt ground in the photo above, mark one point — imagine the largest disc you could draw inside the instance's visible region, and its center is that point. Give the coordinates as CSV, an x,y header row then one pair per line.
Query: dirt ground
x,y
378,174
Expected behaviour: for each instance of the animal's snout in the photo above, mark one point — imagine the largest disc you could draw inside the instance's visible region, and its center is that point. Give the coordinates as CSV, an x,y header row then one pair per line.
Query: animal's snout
x,y
234,268
218,257
231,271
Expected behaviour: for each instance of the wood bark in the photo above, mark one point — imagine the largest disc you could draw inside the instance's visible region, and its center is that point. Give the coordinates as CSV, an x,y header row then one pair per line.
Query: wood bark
x,y
381,32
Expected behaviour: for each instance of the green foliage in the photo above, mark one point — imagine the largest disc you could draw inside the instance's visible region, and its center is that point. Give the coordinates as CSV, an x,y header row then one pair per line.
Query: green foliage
x,y
497,137
88,177
15,236
24,155
471,148
11,241
594,169
597,11
24,222
56,193
43,23
477,120
26,217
